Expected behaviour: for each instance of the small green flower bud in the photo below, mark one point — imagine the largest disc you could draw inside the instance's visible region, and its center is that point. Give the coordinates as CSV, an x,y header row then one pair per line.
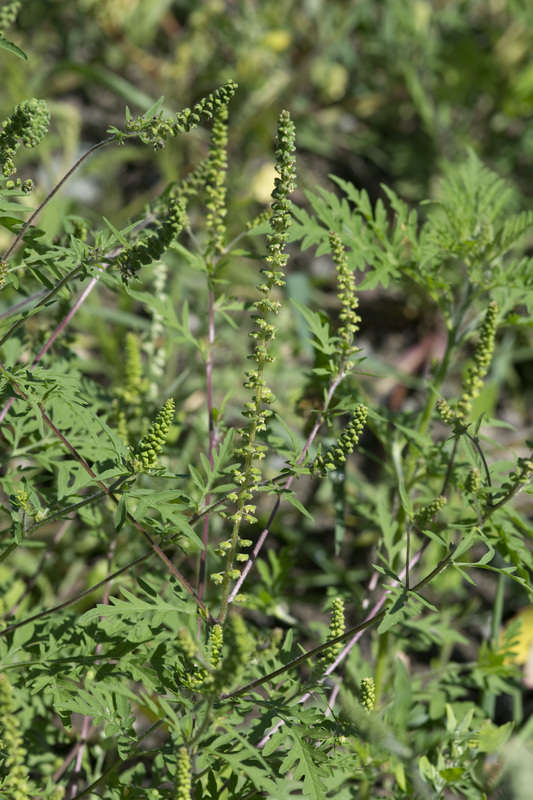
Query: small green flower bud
x,y
215,644
337,627
368,693
473,481
473,380
183,784
424,516
151,445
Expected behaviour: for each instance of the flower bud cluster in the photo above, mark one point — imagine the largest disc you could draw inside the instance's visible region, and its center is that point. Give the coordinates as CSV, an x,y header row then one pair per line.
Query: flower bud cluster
x,y
183,783
425,514
156,131
8,15
147,452
145,251
216,641
347,297
473,481
3,272
217,166
26,187
28,124
368,693
11,746
473,380
337,627
336,455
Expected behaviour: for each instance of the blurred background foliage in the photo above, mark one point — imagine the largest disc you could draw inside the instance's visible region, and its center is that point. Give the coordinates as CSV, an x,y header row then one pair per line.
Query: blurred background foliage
x,y
379,91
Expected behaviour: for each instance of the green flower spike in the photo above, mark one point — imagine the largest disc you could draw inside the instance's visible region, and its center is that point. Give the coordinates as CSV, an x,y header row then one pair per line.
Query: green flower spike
x,y
248,475
183,782
336,455
368,694
151,445
473,481
215,182
347,297
424,516
28,124
473,380
447,414
3,273
337,627
12,753
156,131
150,249
215,644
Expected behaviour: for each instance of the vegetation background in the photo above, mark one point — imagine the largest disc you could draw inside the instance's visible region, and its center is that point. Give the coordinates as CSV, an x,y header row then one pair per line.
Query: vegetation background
x,y
389,92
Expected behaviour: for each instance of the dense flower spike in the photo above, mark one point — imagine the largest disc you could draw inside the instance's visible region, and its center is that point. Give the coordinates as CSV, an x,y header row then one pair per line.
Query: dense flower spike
x,y
426,513
3,272
473,380
347,297
156,131
368,693
183,782
473,481
151,445
337,627
145,251
446,412
215,645
215,182
28,124
249,475
8,15
12,751
336,455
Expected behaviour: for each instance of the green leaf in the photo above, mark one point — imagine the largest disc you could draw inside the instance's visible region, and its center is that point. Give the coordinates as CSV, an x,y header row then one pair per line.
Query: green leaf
x,y
12,48
154,109
121,512
132,607
293,500
491,739
304,762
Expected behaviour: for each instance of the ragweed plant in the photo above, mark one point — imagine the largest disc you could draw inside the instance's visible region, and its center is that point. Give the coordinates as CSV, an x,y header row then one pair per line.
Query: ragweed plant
x,y
128,539
249,474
